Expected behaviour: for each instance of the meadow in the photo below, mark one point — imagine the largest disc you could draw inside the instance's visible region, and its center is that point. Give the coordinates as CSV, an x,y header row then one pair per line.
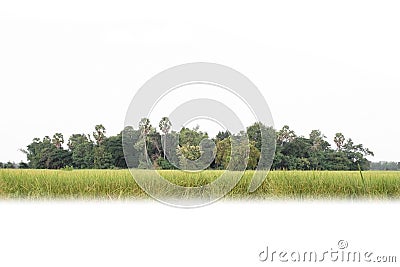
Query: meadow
x,y
120,185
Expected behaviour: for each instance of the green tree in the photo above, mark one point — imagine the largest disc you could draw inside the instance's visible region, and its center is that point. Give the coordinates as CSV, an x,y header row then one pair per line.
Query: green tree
x,y
223,155
44,154
58,140
165,126
113,146
189,145
99,134
172,149
223,135
141,145
254,156
82,149
23,165
154,147
285,135
102,159
191,137
356,155
10,165
130,138
339,140
318,142
254,134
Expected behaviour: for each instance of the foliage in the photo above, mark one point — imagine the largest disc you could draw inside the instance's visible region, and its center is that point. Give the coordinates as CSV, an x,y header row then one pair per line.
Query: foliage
x,y
81,147
164,164
192,148
48,154
314,153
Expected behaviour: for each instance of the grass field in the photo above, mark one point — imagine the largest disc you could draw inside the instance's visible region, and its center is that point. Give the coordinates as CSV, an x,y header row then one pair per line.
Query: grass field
x,y
119,184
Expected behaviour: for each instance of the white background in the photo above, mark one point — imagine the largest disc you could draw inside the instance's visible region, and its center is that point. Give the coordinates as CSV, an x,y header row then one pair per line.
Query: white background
x,y
333,66
223,234
66,66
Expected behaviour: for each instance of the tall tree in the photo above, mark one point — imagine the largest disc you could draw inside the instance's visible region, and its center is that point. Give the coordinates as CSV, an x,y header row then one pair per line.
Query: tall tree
x,y
192,148
113,145
58,140
165,125
44,154
99,134
223,135
285,135
318,142
339,140
145,128
102,159
129,140
82,148
254,134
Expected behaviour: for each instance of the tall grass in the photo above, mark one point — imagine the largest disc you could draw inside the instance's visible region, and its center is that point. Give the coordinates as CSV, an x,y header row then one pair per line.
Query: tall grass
x,y
119,184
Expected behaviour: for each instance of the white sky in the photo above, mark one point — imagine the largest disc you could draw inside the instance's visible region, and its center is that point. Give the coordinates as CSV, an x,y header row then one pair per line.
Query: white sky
x,y
333,66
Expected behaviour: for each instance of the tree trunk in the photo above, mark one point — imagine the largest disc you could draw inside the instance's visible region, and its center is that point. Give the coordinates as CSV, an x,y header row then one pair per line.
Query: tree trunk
x,y
165,143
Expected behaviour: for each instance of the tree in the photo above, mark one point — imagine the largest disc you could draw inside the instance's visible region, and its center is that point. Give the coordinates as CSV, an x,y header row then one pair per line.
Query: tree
x,y
145,128
223,135
339,140
129,140
154,148
189,150
82,148
188,155
356,155
385,166
113,146
254,156
223,155
58,140
44,154
264,138
254,134
172,149
318,141
285,135
165,125
189,146
102,159
191,137
192,149
240,152
10,165
23,165
99,134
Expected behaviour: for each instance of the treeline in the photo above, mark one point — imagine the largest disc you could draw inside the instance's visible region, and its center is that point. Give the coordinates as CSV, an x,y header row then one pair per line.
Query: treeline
x,y
385,166
13,165
83,151
98,151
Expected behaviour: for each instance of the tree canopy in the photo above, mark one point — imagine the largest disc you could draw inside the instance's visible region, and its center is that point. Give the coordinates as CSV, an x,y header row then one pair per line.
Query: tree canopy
x,y
169,149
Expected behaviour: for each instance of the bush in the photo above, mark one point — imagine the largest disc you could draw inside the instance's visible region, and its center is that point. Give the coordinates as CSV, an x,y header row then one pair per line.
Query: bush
x,y
165,164
67,168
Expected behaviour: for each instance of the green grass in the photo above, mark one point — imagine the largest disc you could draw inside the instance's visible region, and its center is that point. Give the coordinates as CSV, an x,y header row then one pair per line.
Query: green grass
x,y
119,184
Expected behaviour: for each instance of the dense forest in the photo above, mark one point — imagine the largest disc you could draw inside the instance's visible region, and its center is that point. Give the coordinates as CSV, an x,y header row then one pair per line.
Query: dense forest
x,y
99,151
